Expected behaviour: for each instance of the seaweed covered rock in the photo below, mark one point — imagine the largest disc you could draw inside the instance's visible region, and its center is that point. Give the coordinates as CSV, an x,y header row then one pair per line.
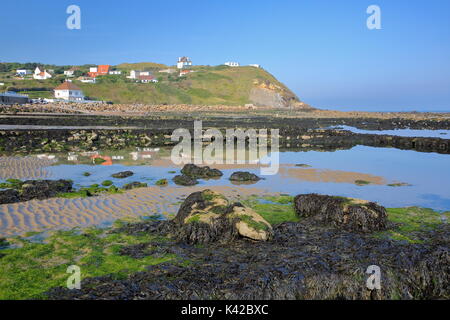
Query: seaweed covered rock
x,y
184,180
9,196
349,214
197,172
44,189
134,185
242,176
207,216
122,175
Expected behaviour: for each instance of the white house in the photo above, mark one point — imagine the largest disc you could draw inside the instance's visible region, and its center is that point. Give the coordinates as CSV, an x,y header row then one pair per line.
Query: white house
x,y
93,69
87,80
135,74
22,72
41,75
69,73
254,65
184,62
69,91
232,64
115,72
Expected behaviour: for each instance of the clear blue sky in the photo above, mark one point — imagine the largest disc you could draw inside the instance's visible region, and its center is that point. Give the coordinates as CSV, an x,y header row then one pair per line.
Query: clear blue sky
x,y
321,49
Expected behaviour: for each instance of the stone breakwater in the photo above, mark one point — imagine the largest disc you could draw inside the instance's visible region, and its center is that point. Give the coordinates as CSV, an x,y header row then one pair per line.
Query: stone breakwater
x,y
60,140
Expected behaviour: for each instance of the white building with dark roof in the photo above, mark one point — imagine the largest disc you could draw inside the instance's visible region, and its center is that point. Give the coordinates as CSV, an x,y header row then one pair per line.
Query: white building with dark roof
x,y
184,62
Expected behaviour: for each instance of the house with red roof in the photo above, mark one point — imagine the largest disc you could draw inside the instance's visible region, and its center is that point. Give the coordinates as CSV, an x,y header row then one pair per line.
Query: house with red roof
x,y
68,91
100,70
41,74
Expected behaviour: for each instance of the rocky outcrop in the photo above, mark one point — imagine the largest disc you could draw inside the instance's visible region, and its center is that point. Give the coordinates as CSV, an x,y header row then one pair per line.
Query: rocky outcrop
x,y
184,180
303,261
269,94
197,172
346,213
242,176
122,175
9,196
207,216
43,189
35,189
134,185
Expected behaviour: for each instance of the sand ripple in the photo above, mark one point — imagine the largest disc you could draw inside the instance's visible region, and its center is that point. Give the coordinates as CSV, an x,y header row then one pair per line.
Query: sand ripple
x,y
29,167
60,213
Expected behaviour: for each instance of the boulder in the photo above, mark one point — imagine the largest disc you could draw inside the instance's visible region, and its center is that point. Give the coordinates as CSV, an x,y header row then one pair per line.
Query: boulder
x,y
207,216
134,185
3,243
241,176
43,189
184,180
197,172
347,213
9,196
122,175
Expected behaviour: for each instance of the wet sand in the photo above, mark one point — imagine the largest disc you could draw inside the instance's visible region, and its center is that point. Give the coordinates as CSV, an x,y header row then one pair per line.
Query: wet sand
x,y
30,167
325,175
60,213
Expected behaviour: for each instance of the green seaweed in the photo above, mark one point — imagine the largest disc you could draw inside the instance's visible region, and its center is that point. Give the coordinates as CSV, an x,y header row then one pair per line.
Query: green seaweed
x,y
252,223
162,182
28,271
282,210
362,182
410,222
107,183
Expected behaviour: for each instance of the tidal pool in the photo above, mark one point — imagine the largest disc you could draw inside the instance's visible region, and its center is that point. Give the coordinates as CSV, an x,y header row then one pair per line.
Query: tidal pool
x,y
443,134
361,172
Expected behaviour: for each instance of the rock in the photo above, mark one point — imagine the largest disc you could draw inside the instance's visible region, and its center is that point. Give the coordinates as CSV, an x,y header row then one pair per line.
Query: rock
x,y
241,176
349,214
207,216
162,182
3,243
184,180
134,185
197,172
9,196
122,175
43,189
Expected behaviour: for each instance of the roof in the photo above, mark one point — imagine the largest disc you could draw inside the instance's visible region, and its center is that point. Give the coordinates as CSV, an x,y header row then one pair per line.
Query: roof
x,y
67,86
184,59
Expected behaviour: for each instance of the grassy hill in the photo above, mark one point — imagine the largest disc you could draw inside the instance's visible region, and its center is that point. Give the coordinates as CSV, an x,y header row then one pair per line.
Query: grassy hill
x,y
218,85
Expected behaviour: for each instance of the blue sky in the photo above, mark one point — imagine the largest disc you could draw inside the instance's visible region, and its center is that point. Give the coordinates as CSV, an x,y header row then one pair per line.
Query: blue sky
x,y
321,49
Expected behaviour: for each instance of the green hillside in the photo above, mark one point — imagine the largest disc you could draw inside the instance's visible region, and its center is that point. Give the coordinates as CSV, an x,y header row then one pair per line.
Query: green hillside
x,y
207,85
219,85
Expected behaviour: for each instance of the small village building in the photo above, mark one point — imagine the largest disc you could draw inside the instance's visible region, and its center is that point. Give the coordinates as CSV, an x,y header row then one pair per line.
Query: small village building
x,y
115,72
232,64
70,72
23,72
87,80
69,91
254,65
184,62
41,74
185,72
135,74
100,70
